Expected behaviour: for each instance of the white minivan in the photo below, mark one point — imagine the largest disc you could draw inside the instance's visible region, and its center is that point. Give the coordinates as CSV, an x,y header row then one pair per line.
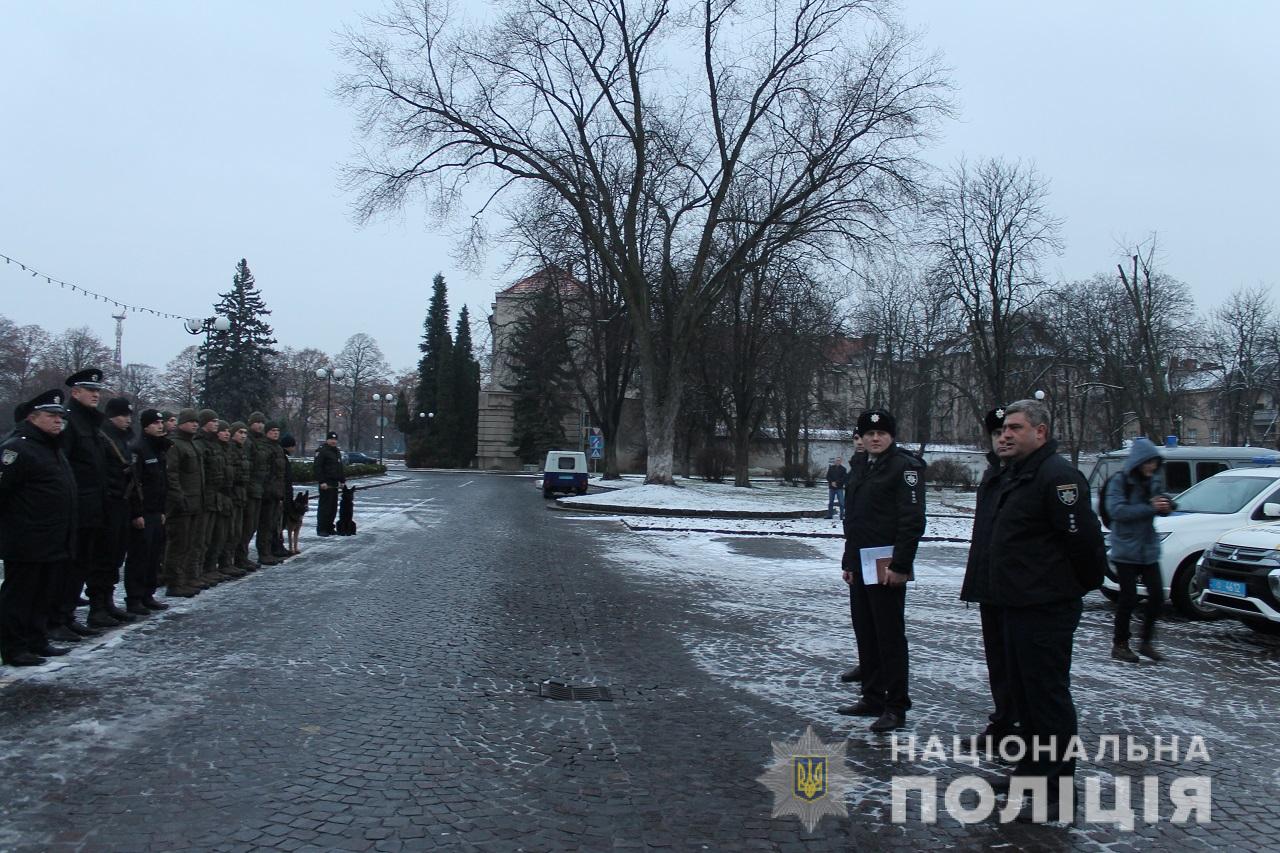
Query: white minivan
x,y
1206,511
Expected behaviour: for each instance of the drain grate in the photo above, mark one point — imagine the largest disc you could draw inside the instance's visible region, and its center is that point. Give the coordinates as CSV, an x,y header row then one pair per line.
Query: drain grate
x,y
574,693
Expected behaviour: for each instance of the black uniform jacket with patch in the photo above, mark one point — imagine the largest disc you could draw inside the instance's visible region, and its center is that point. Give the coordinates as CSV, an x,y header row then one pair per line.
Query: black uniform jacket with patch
x,y
86,452
150,454
328,465
884,505
1046,543
977,572
37,498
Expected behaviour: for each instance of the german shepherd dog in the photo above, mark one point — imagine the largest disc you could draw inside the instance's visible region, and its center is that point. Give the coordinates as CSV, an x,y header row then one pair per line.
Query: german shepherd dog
x,y
296,511
347,513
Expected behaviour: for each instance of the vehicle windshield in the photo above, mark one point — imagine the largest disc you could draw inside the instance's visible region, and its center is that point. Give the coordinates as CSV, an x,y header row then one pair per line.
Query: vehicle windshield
x,y
1222,495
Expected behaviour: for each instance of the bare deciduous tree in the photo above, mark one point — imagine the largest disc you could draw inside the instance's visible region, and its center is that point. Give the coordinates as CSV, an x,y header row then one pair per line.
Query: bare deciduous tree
x,y
182,379
300,396
797,128
365,367
1241,335
991,228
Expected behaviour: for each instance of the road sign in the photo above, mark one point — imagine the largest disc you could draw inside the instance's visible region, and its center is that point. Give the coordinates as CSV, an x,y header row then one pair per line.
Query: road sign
x,y
596,443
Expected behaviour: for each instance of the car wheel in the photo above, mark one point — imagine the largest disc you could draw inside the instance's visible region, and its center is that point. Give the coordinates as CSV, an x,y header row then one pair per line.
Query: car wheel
x,y
548,494
1110,594
1263,626
1186,590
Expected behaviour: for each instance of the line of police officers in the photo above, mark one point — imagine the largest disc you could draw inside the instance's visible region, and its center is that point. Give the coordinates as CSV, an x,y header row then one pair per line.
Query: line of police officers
x,y
1036,550
79,497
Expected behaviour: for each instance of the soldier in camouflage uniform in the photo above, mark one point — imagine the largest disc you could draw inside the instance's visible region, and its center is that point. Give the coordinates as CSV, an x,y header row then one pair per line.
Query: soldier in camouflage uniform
x,y
221,556
206,443
269,519
238,474
184,506
258,457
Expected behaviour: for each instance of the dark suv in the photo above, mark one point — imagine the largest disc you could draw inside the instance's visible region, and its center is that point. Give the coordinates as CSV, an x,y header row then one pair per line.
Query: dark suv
x,y
1241,576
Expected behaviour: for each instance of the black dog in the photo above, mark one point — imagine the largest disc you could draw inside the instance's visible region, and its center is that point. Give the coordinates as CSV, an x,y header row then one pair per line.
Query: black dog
x,y
347,513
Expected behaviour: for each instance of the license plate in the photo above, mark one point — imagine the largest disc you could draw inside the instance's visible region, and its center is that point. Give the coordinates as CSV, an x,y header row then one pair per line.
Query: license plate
x,y
1226,587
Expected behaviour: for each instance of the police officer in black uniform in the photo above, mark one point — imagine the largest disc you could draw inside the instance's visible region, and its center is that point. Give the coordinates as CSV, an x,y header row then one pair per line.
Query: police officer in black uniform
x,y
83,444
37,529
122,497
147,525
1045,553
329,476
1003,721
884,507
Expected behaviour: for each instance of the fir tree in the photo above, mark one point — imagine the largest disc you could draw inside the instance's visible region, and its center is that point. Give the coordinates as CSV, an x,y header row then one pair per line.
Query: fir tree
x,y
539,362
238,360
425,446
464,379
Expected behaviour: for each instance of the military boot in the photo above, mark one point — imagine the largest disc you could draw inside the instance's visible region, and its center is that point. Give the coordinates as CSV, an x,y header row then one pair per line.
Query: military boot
x,y
99,615
119,615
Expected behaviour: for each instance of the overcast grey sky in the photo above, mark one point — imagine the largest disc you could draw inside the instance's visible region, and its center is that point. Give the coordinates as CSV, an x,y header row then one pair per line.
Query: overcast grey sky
x,y
147,146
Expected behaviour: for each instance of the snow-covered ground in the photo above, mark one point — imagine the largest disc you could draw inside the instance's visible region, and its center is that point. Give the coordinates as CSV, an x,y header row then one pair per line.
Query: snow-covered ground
x,y
945,529
697,496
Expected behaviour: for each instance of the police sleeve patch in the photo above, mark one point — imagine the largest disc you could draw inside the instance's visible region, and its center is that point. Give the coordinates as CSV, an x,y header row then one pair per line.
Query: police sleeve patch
x,y
912,477
8,456
1068,494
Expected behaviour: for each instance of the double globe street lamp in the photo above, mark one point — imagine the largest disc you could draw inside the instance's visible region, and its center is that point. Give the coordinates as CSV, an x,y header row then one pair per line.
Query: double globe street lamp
x,y
206,327
328,374
381,400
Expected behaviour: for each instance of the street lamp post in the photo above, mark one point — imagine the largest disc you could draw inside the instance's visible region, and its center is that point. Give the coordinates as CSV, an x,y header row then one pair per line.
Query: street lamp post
x,y
381,400
424,424
328,374
206,327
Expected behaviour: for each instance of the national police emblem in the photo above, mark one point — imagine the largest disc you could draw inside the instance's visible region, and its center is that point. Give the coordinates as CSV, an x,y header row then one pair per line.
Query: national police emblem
x,y
912,477
8,456
809,779
1068,495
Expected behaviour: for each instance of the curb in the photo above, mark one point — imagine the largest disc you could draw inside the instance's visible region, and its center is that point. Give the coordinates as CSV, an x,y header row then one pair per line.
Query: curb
x,y
798,534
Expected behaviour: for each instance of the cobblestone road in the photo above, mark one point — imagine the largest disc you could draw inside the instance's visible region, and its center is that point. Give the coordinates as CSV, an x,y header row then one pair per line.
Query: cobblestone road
x,y
381,693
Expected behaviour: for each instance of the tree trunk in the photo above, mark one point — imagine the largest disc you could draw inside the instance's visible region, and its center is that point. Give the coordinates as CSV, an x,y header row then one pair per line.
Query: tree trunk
x,y
742,458
662,392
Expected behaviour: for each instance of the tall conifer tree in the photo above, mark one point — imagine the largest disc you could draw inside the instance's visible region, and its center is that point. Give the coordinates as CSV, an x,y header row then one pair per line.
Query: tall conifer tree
x,y
238,360
425,445
539,361
465,381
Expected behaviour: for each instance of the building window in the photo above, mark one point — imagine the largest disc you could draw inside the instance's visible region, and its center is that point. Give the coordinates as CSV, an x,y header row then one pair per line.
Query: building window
x,y
1215,436
1192,436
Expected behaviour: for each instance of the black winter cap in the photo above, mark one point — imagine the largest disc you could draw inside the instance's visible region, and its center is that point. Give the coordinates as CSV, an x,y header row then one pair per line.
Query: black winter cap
x,y
994,420
117,406
877,419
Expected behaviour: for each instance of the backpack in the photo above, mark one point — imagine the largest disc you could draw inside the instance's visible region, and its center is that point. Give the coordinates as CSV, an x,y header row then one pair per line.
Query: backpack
x,y
1103,513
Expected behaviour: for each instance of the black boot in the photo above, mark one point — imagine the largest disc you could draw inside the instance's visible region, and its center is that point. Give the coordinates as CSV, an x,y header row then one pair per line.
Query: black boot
x,y
100,617
116,613
81,629
151,603
137,608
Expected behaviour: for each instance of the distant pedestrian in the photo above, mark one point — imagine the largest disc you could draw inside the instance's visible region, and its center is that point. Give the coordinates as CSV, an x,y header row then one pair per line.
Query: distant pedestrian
x,y
885,510
1045,554
1134,498
836,476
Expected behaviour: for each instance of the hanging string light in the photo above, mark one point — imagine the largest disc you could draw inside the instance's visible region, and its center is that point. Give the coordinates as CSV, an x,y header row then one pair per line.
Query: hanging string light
x,y
63,285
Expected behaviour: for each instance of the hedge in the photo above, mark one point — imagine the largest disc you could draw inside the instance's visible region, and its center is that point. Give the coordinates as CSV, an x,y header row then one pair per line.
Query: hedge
x,y
304,472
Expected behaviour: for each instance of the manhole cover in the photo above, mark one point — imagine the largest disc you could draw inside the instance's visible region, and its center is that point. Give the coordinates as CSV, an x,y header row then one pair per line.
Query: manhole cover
x,y
572,692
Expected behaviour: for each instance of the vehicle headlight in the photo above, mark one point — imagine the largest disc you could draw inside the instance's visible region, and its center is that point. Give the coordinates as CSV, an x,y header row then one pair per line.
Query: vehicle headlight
x,y
1273,580
1164,536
